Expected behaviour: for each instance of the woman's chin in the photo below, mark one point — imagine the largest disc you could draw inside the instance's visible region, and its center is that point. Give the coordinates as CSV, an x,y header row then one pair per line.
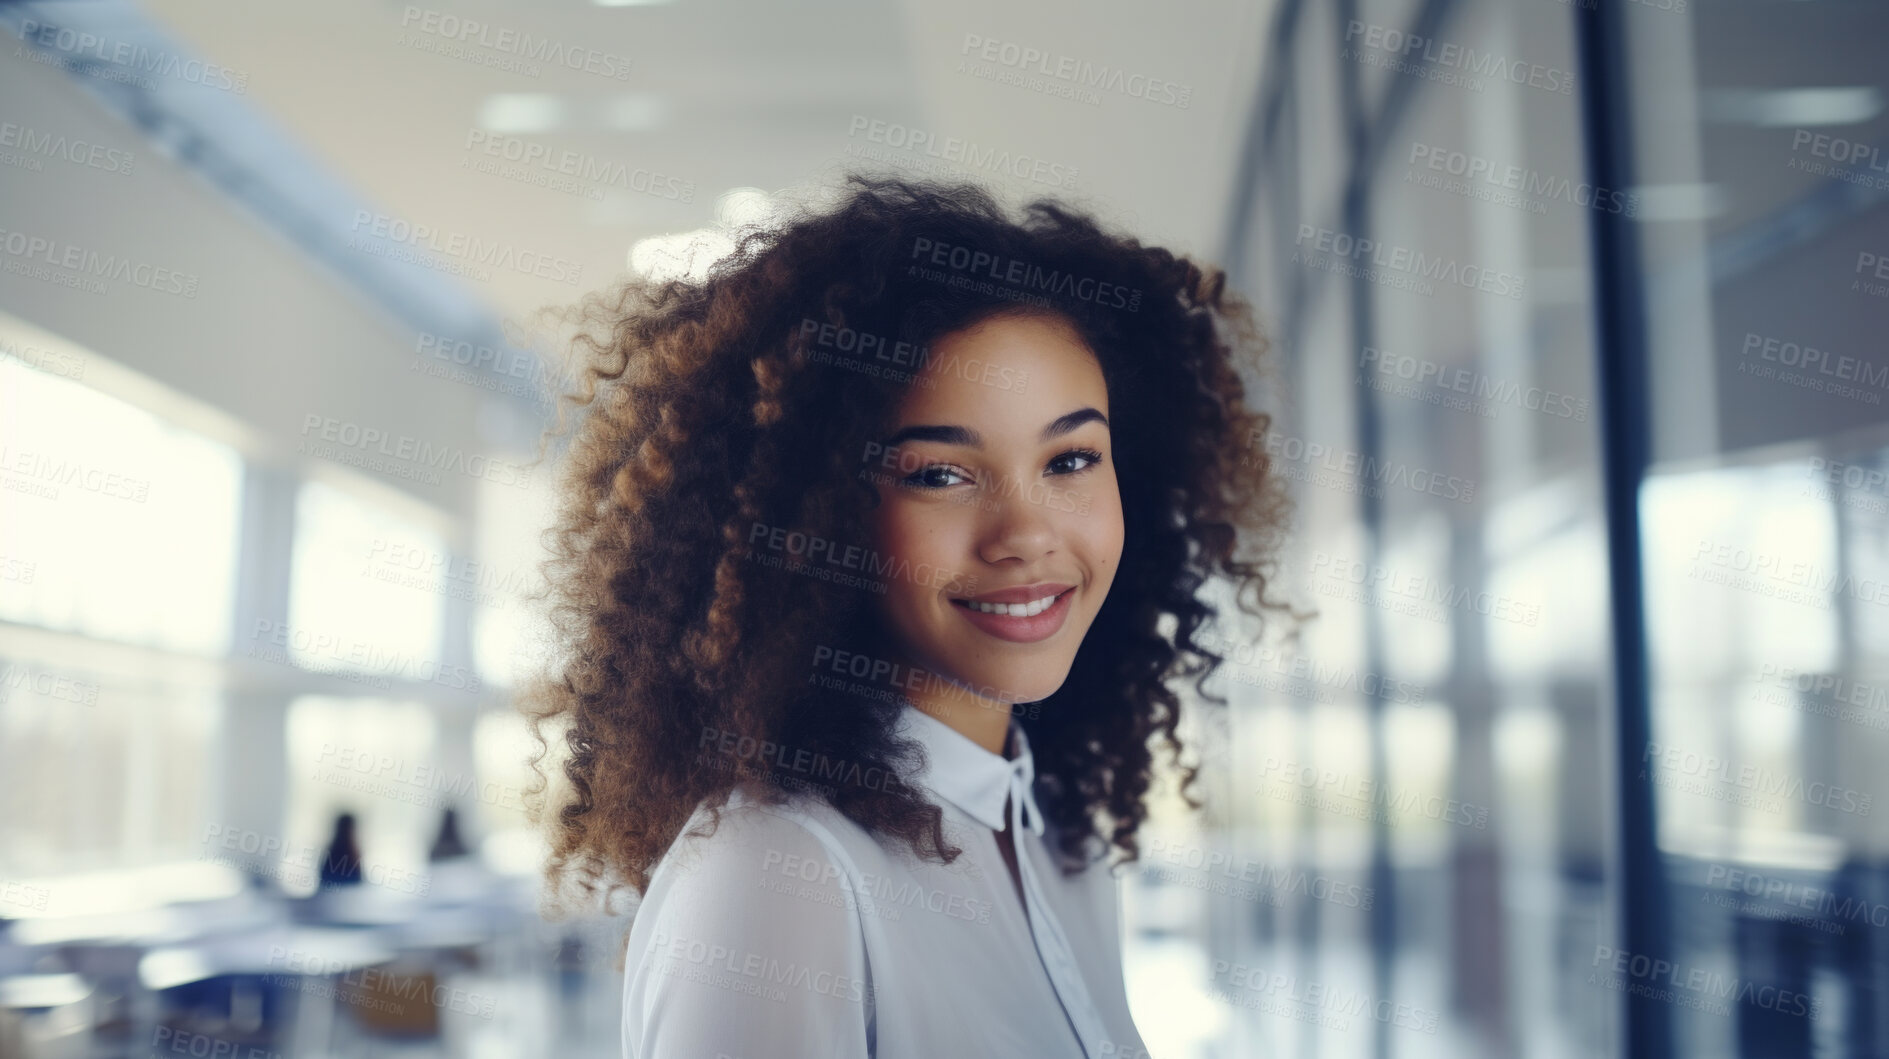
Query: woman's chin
x,y
1014,691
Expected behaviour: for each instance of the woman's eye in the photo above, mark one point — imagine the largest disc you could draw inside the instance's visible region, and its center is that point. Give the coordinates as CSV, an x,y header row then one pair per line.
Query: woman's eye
x,y
931,477
942,476
1090,458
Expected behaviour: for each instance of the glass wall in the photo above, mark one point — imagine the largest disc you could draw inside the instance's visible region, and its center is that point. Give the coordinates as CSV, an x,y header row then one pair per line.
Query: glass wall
x,y
1759,310
1578,320
1416,792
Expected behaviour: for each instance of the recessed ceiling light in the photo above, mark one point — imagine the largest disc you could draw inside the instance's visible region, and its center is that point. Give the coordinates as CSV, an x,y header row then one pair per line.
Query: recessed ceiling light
x,y
521,112
636,112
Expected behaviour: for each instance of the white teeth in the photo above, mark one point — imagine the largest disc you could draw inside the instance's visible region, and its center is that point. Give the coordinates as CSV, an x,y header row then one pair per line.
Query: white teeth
x,y
1014,610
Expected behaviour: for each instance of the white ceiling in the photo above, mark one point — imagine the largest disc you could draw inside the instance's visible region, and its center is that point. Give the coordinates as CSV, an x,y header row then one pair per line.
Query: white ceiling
x,y
746,94
254,191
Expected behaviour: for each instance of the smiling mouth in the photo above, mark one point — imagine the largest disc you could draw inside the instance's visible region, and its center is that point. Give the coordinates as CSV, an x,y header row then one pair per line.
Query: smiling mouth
x,y
1014,610
1031,621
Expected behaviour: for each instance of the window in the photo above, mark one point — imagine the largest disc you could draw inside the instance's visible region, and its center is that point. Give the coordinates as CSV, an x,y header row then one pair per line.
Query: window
x,y
113,523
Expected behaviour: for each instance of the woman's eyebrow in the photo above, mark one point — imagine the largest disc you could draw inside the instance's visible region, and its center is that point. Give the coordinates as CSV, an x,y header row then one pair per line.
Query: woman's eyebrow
x,y
957,435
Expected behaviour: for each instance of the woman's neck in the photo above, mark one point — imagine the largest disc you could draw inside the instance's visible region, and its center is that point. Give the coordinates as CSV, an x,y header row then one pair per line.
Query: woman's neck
x,y
982,721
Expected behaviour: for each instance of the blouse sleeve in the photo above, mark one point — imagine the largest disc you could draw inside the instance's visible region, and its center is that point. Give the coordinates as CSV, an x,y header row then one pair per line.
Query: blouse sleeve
x,y
747,945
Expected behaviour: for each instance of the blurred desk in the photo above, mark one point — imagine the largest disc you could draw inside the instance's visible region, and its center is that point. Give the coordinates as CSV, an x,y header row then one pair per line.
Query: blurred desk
x,y
45,1016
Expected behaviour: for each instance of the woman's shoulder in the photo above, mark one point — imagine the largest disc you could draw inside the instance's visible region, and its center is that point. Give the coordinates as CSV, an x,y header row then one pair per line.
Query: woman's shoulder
x,y
748,930
751,834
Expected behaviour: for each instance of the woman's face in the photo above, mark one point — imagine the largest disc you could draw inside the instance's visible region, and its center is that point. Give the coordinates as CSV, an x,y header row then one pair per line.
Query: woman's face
x,y
1000,472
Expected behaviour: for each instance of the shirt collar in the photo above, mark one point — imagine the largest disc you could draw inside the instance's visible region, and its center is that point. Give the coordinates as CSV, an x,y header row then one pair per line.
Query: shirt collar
x,y
970,777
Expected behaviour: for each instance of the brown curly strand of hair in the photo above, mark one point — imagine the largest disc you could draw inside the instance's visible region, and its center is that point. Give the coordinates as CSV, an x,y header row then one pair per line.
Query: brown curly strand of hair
x,y
705,417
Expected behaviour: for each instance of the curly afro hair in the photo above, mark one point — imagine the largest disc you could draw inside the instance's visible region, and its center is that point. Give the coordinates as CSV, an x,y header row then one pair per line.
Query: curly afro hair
x,y
702,411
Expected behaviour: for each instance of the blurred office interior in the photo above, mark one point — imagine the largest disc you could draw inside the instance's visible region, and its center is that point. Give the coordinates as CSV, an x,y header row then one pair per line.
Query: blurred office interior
x,y
1578,364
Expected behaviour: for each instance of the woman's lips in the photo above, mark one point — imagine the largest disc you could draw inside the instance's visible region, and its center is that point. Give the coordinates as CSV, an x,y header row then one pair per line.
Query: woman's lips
x,y
1018,629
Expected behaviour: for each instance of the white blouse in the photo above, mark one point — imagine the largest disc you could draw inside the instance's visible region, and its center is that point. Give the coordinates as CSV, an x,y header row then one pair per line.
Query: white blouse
x,y
792,931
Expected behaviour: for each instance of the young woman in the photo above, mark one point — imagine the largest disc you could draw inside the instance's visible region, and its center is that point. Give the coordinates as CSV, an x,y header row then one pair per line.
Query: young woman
x,y
875,554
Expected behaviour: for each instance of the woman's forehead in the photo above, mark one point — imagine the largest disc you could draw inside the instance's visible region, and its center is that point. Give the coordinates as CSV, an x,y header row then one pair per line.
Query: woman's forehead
x,y
1008,366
